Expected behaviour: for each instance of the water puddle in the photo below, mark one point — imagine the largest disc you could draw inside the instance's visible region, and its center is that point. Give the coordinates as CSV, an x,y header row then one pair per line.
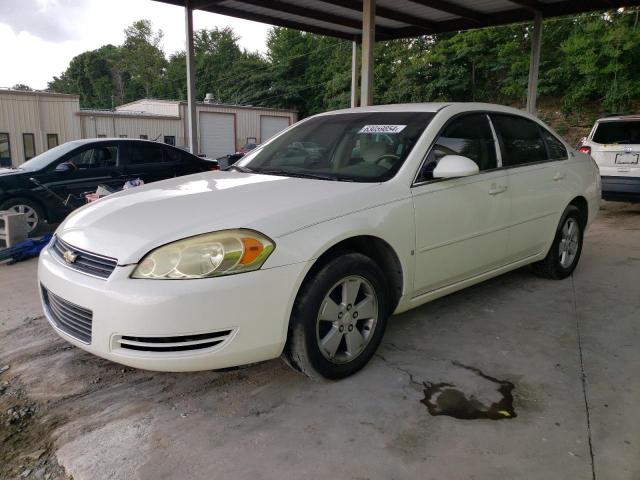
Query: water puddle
x,y
451,400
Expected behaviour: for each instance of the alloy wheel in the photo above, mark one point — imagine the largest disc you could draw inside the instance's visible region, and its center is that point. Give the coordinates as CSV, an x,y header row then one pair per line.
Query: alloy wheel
x,y
569,242
347,319
29,212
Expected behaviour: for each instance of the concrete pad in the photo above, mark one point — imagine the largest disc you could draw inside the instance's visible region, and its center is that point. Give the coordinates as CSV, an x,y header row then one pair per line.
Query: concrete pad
x,y
102,420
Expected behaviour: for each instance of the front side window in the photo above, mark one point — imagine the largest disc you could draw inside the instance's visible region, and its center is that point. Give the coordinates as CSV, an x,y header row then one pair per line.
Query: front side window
x,y
29,144
469,136
521,140
617,132
99,157
52,140
5,150
145,153
360,147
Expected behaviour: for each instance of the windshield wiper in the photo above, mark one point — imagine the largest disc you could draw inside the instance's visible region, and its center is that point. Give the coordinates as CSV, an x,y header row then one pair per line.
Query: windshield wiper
x,y
288,173
239,169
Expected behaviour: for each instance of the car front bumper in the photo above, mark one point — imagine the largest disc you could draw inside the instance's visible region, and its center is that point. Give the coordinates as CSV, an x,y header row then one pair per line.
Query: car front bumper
x,y
252,309
621,188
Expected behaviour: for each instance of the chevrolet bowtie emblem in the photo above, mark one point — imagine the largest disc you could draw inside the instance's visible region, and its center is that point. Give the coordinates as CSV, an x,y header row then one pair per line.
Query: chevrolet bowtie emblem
x,y
69,256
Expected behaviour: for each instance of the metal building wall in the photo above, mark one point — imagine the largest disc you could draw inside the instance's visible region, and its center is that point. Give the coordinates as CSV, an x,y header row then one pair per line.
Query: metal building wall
x,y
149,105
38,113
118,124
247,119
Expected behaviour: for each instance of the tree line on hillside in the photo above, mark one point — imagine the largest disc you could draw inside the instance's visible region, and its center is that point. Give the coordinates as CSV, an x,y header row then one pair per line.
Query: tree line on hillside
x,y
587,59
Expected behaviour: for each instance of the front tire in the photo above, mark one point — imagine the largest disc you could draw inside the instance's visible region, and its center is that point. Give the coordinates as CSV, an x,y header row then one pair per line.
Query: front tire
x,y
338,318
32,211
565,251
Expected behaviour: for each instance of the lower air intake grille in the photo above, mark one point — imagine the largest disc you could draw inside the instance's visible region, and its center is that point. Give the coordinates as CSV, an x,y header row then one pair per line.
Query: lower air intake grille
x,y
174,344
72,319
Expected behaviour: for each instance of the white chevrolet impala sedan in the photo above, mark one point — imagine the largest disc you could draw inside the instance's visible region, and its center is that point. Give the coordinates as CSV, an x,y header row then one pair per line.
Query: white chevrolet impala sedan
x,y
310,243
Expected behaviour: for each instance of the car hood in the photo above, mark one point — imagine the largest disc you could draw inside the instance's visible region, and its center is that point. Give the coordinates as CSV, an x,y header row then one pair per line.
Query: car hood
x,y
10,171
128,224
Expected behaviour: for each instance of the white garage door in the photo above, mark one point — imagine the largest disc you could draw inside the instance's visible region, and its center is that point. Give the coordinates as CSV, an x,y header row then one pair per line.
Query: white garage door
x,y
217,134
269,126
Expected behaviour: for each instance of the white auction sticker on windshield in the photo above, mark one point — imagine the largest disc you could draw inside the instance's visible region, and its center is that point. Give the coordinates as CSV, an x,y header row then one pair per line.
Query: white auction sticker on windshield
x,y
382,129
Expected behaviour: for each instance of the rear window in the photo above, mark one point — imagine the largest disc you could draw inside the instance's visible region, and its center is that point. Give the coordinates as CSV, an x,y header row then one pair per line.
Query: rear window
x,y
617,132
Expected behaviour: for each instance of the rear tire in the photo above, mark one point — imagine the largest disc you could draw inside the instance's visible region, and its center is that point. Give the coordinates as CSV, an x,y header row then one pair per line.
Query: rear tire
x,y
338,318
33,211
564,254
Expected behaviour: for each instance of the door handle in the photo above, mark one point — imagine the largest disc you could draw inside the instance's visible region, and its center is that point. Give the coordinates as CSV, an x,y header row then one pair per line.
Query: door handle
x,y
497,189
558,176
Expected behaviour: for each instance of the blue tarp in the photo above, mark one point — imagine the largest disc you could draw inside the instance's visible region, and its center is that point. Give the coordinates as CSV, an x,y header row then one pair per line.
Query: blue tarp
x,y
27,249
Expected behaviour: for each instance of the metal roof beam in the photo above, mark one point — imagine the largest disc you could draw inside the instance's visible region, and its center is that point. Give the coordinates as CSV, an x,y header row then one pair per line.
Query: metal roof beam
x,y
425,26
534,5
314,14
259,17
452,8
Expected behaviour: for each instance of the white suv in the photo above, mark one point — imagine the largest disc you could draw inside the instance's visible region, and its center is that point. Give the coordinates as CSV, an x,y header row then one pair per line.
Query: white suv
x,y
614,143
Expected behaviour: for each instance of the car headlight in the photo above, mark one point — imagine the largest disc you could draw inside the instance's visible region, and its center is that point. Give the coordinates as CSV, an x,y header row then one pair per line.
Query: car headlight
x,y
208,255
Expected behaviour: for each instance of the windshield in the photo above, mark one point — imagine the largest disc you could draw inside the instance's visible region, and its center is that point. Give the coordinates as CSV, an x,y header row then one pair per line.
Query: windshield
x,y
360,147
45,158
617,132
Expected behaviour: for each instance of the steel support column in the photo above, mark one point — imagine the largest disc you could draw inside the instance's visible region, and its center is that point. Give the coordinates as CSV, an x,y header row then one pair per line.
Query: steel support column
x,y
534,65
192,133
368,40
355,74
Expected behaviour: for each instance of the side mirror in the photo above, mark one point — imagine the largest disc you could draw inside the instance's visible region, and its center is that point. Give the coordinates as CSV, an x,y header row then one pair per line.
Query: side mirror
x,y
63,167
453,166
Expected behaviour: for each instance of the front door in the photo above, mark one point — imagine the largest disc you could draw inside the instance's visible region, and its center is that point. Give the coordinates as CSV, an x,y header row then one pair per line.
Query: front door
x,y
85,170
461,223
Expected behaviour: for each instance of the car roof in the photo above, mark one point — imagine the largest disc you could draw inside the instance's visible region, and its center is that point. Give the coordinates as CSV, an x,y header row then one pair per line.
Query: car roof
x,y
619,118
429,107
86,141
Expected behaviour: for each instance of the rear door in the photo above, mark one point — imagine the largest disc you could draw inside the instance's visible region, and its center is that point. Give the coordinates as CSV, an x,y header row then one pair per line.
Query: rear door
x,y
536,181
615,146
148,161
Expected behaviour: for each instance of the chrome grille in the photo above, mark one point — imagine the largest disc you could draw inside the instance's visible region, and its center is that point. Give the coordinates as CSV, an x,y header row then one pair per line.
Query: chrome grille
x,y
72,319
173,344
83,261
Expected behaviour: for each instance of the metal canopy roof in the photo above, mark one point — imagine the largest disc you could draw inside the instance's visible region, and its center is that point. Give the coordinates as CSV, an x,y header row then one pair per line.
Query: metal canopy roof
x,y
395,18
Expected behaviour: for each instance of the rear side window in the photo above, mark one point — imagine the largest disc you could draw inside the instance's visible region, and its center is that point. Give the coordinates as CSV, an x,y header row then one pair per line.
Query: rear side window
x,y
554,146
617,132
469,136
521,140
147,153
177,156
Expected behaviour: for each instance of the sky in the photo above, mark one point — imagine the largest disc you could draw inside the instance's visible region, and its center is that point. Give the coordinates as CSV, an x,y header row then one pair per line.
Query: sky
x,y
38,38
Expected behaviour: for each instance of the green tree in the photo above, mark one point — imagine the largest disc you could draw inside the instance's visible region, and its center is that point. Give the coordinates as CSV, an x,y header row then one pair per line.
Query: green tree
x,y
142,55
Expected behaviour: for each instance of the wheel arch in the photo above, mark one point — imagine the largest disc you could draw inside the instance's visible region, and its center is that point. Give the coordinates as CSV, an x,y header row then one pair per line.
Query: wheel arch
x,y
28,196
374,247
583,206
